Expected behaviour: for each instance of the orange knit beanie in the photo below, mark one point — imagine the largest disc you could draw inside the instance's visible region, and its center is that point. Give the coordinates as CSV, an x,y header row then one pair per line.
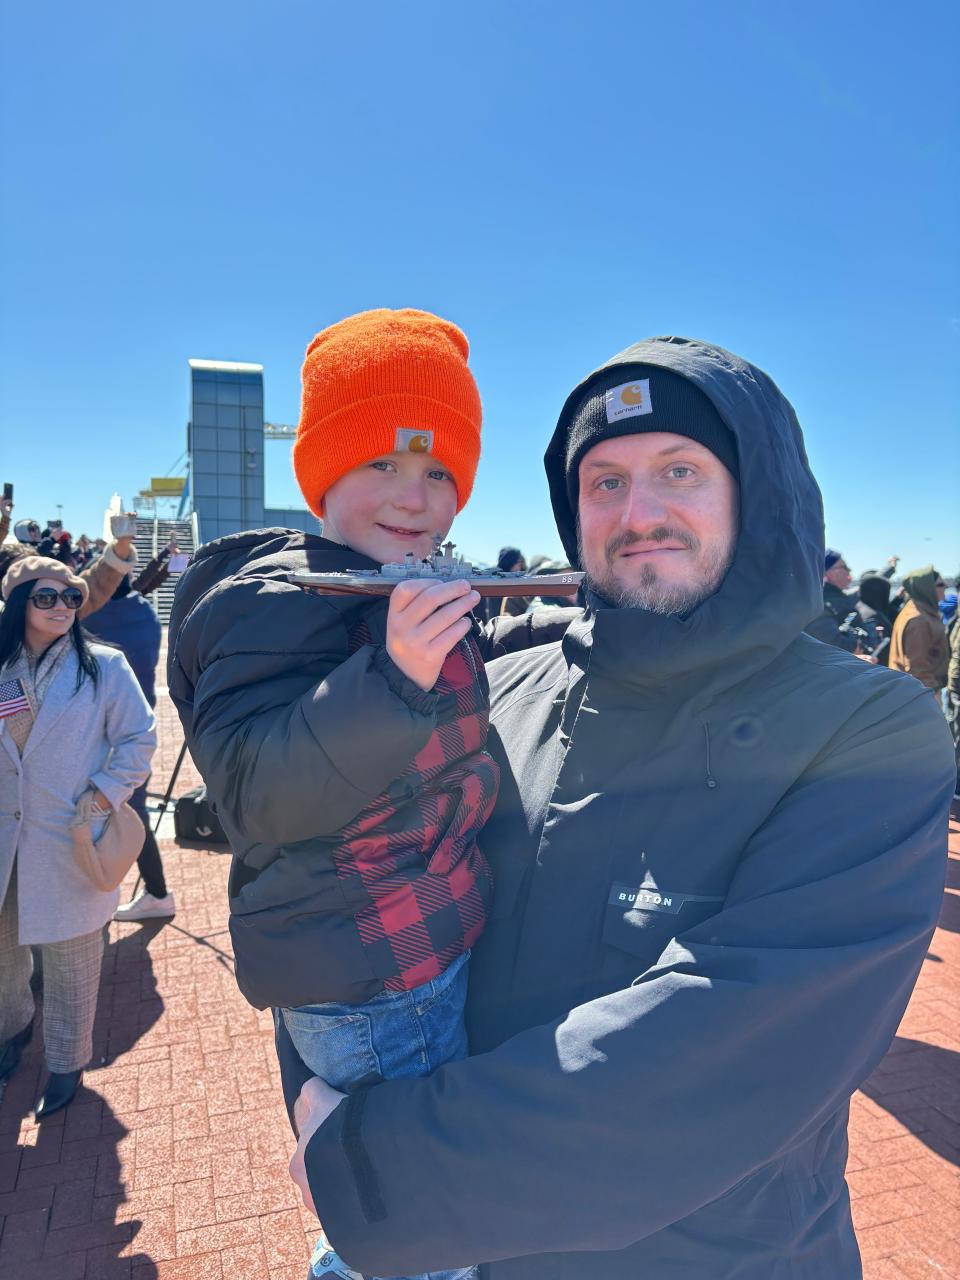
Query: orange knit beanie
x,y
380,382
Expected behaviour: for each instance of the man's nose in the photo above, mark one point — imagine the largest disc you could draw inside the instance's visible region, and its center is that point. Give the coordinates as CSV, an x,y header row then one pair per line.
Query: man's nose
x,y
644,508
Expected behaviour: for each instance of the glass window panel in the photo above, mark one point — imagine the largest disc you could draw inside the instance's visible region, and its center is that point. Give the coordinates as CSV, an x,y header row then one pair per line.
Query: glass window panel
x,y
204,415
203,438
204,485
229,464
205,460
204,393
229,485
251,392
228,508
253,421
228,415
228,393
228,439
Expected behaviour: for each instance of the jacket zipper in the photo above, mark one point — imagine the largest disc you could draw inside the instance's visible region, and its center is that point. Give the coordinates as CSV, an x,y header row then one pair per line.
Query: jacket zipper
x,y
477,681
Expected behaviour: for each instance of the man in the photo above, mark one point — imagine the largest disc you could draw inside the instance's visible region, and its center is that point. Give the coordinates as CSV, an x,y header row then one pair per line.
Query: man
x,y
718,855
511,560
837,605
130,623
919,641
873,617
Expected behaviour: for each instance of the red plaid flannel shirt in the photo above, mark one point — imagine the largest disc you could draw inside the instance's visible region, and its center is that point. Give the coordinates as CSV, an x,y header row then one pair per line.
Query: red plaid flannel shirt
x,y
411,856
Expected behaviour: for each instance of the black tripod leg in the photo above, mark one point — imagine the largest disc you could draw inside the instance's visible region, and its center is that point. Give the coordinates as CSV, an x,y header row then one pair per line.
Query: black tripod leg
x,y
172,783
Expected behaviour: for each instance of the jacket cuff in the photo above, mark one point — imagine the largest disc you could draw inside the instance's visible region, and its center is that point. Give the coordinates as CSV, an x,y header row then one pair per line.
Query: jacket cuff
x,y
417,699
115,792
115,562
344,1190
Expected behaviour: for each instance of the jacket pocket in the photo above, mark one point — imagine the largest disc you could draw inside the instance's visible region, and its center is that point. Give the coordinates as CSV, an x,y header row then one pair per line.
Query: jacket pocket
x,y
336,1043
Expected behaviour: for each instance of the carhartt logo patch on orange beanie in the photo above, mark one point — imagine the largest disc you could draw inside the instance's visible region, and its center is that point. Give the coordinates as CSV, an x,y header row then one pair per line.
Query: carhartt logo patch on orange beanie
x,y
381,382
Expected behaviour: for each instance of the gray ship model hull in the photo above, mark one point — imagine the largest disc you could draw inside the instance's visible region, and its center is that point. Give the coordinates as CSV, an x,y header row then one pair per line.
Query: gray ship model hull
x,y
487,584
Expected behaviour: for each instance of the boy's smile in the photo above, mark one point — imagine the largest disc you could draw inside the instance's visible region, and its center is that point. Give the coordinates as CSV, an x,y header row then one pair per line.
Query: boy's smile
x,y
396,503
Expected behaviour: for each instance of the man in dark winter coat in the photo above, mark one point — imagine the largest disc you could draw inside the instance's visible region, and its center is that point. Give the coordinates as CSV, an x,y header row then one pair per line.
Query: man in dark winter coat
x,y
718,854
129,621
837,605
873,616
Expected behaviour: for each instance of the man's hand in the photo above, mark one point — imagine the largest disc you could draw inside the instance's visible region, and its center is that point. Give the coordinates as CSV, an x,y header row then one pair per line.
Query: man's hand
x,y
123,544
315,1103
425,621
6,506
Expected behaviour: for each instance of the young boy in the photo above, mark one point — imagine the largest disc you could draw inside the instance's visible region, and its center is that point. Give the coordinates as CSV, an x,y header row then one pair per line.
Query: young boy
x,y
342,737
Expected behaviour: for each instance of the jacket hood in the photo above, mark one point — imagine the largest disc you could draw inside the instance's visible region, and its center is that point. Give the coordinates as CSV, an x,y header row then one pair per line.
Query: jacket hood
x,y
875,591
774,586
919,586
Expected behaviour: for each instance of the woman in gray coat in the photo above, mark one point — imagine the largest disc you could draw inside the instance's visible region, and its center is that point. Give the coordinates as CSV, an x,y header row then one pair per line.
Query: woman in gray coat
x,y
72,720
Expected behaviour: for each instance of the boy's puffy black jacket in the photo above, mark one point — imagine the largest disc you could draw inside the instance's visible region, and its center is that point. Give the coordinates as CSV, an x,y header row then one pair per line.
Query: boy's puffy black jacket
x,y
350,796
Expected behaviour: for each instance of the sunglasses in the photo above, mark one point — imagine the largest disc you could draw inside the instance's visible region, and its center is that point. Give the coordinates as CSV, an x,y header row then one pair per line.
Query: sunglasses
x,y
46,597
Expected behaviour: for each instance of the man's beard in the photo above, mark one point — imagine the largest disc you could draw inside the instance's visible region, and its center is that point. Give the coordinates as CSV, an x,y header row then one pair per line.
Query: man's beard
x,y
650,591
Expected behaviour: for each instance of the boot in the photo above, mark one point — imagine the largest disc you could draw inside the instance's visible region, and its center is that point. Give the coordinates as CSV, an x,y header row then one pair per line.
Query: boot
x,y
60,1090
11,1050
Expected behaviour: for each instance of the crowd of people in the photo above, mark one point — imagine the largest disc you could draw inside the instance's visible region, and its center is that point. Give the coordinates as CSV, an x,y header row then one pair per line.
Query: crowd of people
x,y
51,540
569,950
914,629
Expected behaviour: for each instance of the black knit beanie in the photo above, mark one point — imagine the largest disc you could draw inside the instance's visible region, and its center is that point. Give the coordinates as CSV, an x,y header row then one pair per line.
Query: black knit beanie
x,y
631,399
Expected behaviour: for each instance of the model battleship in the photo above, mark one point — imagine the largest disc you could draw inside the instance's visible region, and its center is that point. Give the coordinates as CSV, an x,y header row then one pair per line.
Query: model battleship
x,y
441,566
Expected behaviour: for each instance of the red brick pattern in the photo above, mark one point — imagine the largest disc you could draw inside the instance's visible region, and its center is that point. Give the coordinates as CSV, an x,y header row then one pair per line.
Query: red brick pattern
x,y
904,1166
171,1164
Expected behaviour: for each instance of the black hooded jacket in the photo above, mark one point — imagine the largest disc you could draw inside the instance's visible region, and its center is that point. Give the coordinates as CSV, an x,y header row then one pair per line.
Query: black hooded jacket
x,y
718,853
874,618
832,626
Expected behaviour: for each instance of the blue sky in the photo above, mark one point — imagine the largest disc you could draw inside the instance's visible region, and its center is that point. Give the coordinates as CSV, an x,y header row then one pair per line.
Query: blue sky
x,y
222,180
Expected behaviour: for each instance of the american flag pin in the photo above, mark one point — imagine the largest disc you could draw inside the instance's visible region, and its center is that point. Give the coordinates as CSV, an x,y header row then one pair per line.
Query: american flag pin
x,y
12,699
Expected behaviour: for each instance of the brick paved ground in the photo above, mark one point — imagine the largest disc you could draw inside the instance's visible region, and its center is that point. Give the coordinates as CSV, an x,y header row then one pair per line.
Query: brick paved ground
x,y
172,1162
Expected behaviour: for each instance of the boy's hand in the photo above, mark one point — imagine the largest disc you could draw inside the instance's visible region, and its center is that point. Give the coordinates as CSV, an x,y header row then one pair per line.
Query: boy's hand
x,y
425,621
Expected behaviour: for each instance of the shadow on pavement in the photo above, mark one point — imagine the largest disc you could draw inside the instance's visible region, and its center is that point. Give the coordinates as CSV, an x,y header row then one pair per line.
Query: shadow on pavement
x,y
62,1183
950,911
919,1085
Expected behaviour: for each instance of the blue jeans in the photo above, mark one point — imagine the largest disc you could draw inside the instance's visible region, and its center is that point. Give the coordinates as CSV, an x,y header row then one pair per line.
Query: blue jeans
x,y
397,1034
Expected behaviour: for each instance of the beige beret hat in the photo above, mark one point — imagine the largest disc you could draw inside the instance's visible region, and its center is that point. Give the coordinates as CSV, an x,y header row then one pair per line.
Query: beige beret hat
x,y
32,568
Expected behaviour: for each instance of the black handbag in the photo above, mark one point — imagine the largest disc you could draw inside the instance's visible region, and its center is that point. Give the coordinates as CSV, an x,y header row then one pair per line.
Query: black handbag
x,y
194,819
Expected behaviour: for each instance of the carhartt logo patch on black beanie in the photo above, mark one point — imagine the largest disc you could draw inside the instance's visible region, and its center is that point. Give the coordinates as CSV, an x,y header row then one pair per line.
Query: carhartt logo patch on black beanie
x,y
630,399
